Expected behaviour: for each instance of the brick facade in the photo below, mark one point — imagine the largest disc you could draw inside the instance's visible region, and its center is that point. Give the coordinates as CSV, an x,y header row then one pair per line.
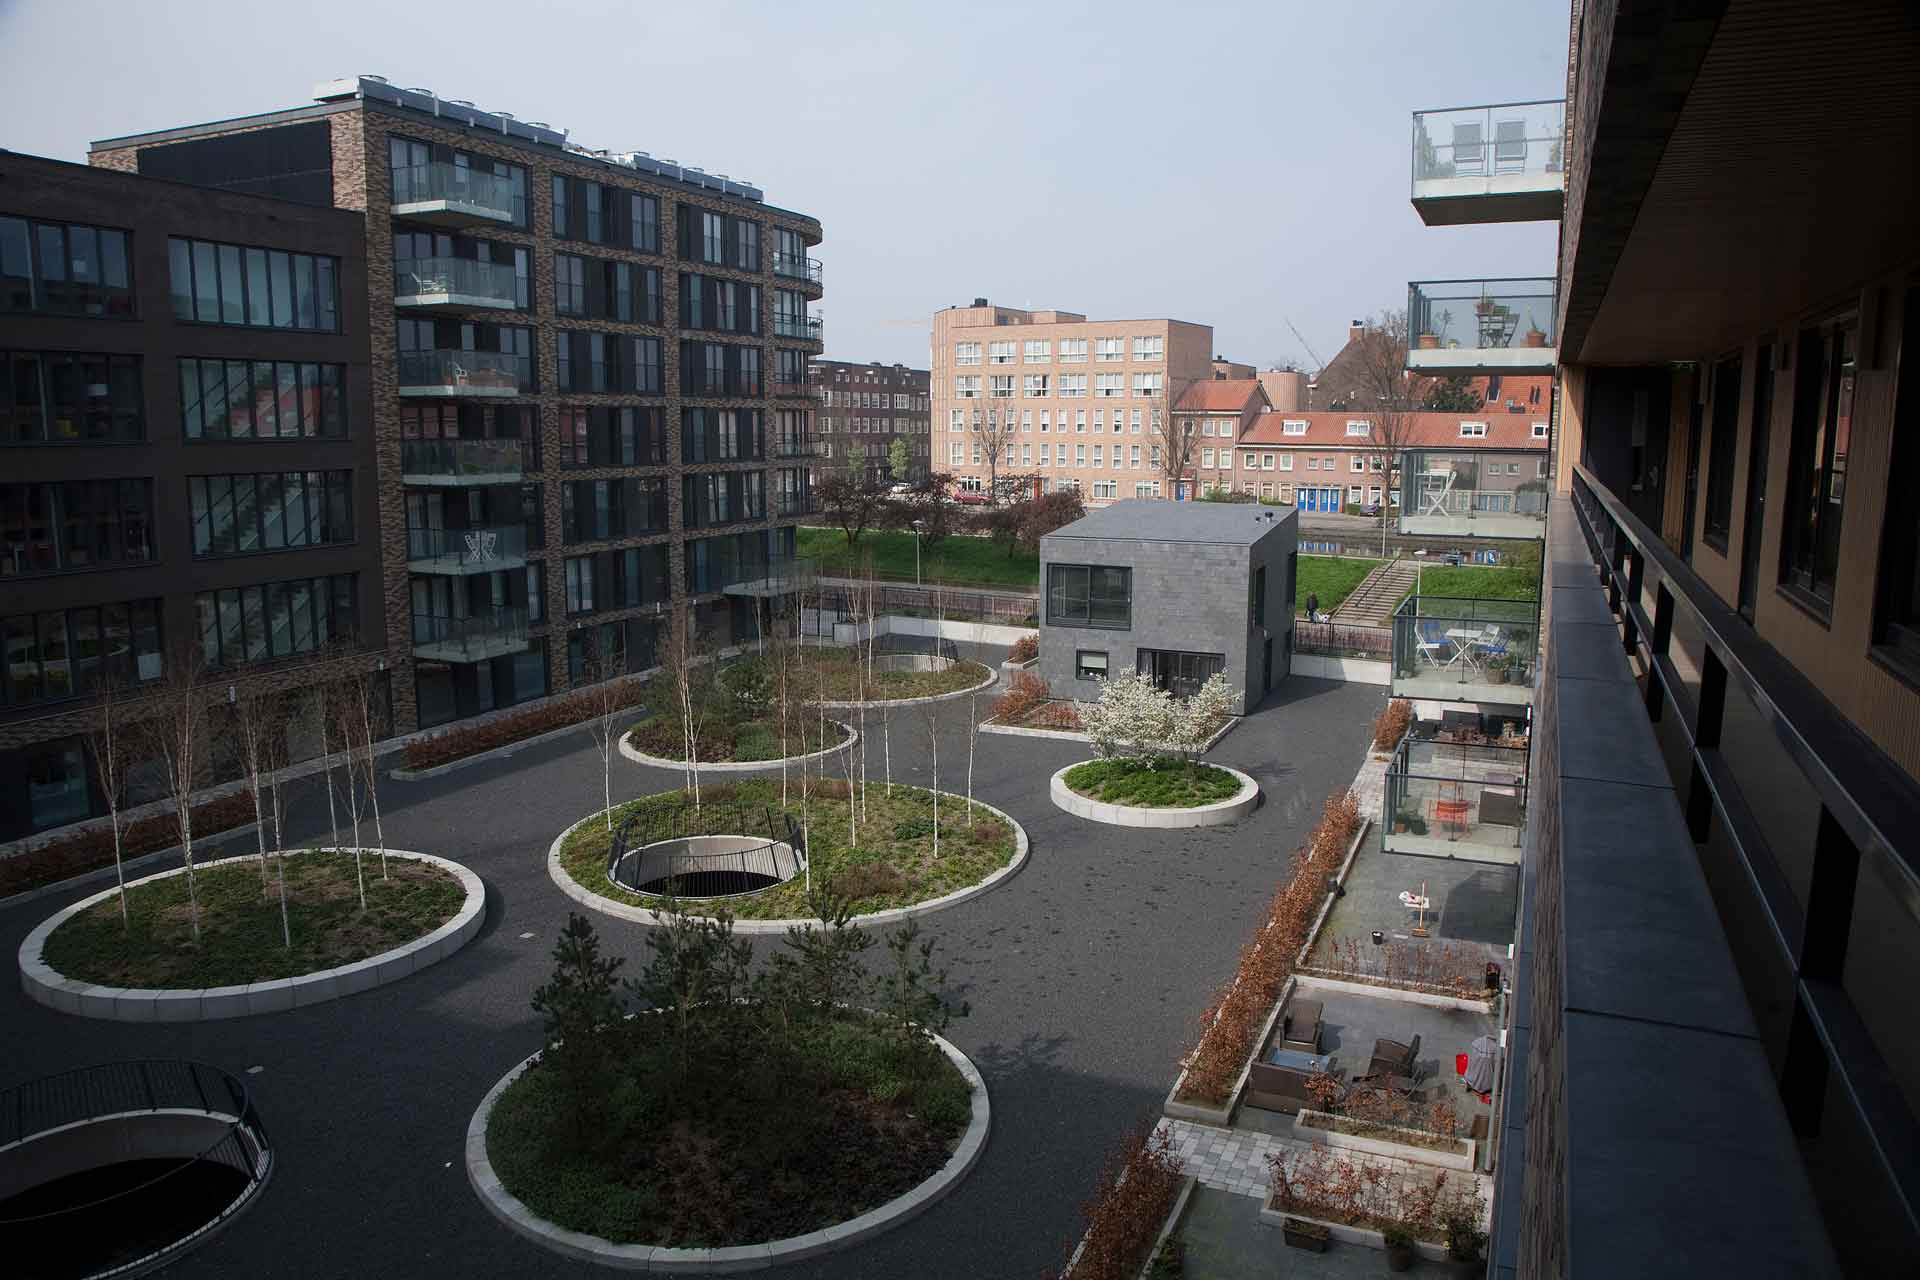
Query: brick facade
x,y
869,405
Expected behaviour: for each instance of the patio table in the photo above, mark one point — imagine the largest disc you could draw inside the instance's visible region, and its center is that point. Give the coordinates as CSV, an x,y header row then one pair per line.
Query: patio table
x,y
1300,1060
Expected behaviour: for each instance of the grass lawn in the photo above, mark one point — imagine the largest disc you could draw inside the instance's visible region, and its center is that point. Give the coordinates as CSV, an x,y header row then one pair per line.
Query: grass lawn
x,y
240,939
843,668
1169,785
1484,582
1332,578
970,561
892,866
773,1125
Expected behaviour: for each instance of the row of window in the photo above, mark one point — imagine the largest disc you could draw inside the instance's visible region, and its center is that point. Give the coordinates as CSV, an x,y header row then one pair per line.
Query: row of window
x,y
273,511
76,524
245,285
1072,350
625,579
596,510
873,400
613,216
1069,386
262,400
57,397
68,653
606,437
990,420
606,362
277,620
63,268
603,290
716,498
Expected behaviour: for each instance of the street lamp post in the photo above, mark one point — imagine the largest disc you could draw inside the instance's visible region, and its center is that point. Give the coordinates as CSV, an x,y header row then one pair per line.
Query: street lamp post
x,y
916,553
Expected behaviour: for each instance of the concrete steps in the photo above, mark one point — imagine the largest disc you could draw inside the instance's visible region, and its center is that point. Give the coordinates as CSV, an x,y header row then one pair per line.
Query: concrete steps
x,y
1374,600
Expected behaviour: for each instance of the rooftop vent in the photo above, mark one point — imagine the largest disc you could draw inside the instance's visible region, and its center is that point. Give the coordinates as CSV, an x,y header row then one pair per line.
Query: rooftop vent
x,y
979,302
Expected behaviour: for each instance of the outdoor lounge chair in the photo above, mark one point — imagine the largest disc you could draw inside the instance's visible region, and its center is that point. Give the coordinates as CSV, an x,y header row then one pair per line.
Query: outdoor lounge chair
x,y
1300,1025
1509,146
1469,149
1391,1058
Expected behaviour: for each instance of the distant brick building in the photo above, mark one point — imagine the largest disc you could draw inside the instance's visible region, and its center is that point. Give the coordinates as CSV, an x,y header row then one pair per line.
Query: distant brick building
x,y
864,407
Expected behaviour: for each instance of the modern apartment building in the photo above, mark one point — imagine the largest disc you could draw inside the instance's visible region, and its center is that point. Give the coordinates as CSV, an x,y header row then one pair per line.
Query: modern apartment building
x,y
590,397
1713,1063
864,408
188,456
1056,398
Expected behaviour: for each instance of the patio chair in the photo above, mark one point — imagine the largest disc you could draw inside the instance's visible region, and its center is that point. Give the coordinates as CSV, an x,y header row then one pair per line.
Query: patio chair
x,y
1391,1058
1469,149
1433,646
1509,146
1300,1025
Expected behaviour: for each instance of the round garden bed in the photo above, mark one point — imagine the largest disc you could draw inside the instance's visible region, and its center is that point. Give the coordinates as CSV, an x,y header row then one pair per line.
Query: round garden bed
x,y
852,1129
1130,793
891,678
889,871
83,960
738,754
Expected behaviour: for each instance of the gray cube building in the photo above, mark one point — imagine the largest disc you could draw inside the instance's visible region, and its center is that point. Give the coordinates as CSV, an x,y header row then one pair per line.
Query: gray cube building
x,y
1177,590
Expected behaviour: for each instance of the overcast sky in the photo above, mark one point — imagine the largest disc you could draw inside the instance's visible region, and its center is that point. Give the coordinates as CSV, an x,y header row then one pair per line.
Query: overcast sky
x,y
1239,165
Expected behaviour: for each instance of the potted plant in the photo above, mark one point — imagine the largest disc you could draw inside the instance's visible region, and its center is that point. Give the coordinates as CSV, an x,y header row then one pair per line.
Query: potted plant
x,y
1465,1241
1416,825
1301,1234
1535,335
1429,341
1399,1246
1497,669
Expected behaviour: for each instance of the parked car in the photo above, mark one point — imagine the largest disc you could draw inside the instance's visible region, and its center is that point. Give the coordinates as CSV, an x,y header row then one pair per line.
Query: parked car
x,y
1371,510
967,497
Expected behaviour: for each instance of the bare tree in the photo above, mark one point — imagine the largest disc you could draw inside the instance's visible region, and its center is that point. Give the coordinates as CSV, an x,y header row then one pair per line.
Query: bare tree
x,y
997,429
1383,388
337,705
931,716
260,726
605,698
363,712
973,733
1173,445
107,739
678,658
177,732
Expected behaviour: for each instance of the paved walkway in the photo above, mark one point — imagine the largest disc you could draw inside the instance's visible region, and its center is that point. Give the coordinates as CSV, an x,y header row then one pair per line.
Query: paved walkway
x,y
1086,973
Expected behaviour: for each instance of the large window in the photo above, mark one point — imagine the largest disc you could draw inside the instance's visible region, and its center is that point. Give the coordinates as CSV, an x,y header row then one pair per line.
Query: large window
x,y
65,654
1081,595
275,511
608,437
61,397
1817,460
277,620
722,497
78,524
719,369
264,288
600,214
261,399
1899,620
629,578
1718,521
719,239
721,435
605,290
596,510
593,362
58,268
708,302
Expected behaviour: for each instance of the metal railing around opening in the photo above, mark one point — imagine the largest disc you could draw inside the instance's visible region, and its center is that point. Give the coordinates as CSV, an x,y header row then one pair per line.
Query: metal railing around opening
x,y
140,1086
647,855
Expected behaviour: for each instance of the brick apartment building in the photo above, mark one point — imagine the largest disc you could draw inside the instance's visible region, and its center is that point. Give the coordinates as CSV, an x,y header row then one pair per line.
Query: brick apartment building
x,y
865,407
589,387
1079,404
189,455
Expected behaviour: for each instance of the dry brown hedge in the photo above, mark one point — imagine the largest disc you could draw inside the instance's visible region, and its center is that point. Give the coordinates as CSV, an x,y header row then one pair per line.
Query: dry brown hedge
x,y
90,850
470,740
1138,1185
1392,724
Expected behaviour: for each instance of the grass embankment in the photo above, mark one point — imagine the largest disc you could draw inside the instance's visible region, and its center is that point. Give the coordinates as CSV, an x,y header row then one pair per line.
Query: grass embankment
x,y
962,560
1481,582
1169,784
891,864
240,937
1332,578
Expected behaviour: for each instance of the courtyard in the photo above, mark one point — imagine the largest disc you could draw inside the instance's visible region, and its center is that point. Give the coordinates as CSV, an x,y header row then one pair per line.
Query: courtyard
x,y
1086,973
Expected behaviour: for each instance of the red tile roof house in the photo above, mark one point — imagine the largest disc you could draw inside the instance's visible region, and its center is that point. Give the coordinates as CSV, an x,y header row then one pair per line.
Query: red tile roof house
x,y
1483,475
1213,415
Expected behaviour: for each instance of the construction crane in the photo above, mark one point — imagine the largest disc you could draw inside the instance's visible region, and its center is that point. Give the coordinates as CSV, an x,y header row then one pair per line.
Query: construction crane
x,y
1318,363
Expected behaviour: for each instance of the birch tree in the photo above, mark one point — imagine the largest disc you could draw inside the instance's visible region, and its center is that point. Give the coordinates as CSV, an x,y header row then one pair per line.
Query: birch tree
x,y
677,660
973,734
932,717
259,724
107,740
363,707
177,732
339,708
605,698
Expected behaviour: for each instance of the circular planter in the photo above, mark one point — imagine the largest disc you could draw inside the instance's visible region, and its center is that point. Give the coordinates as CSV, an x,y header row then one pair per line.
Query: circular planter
x,y
1219,813
205,1004
638,756
970,690
642,915
751,1257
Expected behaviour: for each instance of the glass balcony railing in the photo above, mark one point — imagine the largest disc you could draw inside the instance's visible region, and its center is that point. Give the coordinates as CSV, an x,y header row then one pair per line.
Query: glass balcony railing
x,y
807,327
793,504
452,195
454,282
459,373
796,267
476,549
474,638
1456,799
1502,163
1444,493
792,447
460,462
778,576
1466,650
793,390
1469,326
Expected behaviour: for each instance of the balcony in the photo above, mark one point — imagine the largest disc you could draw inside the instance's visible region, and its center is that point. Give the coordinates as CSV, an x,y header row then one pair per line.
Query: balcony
x,y
1482,326
450,195
1471,497
475,638
795,391
806,328
440,464
454,283
459,373
795,266
793,504
477,549
1501,163
792,447
780,576
1448,649
1456,798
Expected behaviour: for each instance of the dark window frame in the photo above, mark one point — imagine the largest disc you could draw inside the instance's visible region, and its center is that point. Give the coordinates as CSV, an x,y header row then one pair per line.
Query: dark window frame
x,y
267,287
1897,603
1072,596
125,401
113,301
1826,362
1083,672
1728,385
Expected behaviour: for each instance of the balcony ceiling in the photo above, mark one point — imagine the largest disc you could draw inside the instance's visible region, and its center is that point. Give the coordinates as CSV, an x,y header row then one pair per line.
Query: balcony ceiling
x,y
1739,174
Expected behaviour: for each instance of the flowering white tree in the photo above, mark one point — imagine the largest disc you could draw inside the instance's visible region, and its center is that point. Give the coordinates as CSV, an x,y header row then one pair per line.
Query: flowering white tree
x,y
1133,720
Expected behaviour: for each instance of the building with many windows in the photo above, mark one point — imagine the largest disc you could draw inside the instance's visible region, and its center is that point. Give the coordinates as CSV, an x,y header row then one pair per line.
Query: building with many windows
x,y
189,456
1063,401
864,408
590,396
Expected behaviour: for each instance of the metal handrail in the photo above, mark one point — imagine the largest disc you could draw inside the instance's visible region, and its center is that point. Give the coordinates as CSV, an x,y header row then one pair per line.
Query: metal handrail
x,y
644,828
